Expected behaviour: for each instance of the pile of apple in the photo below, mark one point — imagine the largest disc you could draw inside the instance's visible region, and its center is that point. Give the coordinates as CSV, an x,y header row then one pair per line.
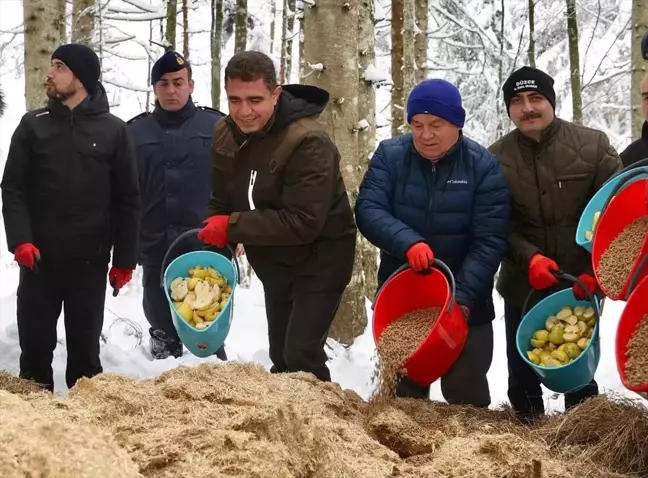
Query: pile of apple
x,y
564,337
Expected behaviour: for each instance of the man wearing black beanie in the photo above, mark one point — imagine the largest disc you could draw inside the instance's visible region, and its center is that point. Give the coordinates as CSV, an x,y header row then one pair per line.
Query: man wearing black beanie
x,y
553,168
70,204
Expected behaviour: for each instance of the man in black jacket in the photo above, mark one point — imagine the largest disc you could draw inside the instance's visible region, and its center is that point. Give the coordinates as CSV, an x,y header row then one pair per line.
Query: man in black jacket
x,y
174,156
638,149
69,196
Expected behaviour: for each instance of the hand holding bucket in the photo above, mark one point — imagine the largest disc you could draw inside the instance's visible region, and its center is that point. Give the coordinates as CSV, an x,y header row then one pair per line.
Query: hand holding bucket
x,y
406,291
201,342
578,373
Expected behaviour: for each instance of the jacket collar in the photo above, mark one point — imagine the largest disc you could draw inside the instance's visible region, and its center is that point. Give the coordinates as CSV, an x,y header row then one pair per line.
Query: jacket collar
x,y
448,156
644,132
546,137
241,137
174,118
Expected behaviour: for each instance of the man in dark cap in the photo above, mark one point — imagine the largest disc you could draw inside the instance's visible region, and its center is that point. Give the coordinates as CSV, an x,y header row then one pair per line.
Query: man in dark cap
x,y
174,147
70,197
553,168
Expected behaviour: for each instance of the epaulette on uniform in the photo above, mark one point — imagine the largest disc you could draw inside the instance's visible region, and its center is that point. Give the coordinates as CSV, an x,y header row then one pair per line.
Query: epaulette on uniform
x,y
139,116
213,110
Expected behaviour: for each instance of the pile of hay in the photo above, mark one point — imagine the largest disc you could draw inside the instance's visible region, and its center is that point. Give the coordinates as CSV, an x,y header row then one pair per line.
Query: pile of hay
x,y
237,420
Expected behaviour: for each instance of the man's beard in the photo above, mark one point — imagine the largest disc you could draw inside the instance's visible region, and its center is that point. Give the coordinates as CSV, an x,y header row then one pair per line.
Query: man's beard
x,y
55,94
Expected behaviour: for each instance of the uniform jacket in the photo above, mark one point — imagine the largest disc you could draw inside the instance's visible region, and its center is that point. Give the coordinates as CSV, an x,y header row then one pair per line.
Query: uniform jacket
x,y
550,182
284,190
70,184
174,163
458,205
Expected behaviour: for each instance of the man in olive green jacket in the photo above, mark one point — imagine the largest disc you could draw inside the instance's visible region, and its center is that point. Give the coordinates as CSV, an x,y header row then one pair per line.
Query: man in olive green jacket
x,y
277,188
553,168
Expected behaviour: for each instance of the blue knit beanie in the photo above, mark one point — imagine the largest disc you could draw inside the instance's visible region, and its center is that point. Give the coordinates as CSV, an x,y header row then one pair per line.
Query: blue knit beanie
x,y
439,98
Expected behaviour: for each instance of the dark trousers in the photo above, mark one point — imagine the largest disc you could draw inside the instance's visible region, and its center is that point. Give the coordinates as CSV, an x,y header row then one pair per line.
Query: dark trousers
x,y
79,289
465,383
524,391
157,311
298,325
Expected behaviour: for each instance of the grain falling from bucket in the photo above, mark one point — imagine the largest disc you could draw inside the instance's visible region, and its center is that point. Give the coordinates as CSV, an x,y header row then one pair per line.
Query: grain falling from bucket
x,y
398,341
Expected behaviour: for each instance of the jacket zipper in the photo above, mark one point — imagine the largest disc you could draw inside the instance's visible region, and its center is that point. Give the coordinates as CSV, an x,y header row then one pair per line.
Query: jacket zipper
x,y
253,175
542,215
430,221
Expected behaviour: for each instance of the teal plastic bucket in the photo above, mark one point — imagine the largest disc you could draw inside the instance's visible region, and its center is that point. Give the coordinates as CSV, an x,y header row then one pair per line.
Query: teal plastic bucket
x,y
205,342
599,202
576,374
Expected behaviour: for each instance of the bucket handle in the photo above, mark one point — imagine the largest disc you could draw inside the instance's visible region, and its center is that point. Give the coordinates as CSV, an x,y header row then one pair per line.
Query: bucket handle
x,y
438,264
636,171
181,237
563,276
639,164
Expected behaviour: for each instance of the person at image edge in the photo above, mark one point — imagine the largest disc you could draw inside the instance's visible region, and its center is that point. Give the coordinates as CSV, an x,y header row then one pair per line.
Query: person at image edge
x,y
70,197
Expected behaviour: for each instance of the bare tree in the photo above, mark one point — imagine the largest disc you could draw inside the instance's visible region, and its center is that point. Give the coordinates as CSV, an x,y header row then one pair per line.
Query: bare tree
x,y
83,21
42,32
367,127
61,9
397,66
574,62
273,22
421,40
172,18
409,39
290,28
216,36
531,49
639,27
185,29
284,42
334,23
240,38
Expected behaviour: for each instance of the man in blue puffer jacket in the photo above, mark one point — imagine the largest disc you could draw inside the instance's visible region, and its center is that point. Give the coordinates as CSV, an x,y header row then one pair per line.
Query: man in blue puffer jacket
x,y
436,193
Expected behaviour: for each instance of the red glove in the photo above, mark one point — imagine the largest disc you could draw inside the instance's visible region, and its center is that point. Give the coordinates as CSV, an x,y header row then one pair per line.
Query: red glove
x,y
119,277
420,257
591,284
26,255
540,276
215,232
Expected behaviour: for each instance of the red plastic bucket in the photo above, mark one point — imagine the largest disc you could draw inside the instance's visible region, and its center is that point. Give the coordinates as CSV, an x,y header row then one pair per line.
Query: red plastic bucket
x,y
406,291
635,309
628,205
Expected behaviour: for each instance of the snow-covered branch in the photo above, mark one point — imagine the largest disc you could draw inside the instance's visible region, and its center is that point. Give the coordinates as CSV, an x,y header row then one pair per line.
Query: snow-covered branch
x,y
146,17
126,86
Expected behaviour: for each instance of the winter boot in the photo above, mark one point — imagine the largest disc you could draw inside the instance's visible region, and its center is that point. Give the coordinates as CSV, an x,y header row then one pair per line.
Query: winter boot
x,y
163,346
220,353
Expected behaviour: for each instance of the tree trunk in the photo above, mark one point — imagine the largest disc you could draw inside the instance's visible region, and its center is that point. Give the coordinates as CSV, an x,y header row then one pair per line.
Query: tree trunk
x,y
273,22
397,91
500,73
284,43
42,37
639,26
409,40
61,16
83,21
185,29
531,50
240,38
367,131
421,42
290,27
574,62
216,35
172,17
334,23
